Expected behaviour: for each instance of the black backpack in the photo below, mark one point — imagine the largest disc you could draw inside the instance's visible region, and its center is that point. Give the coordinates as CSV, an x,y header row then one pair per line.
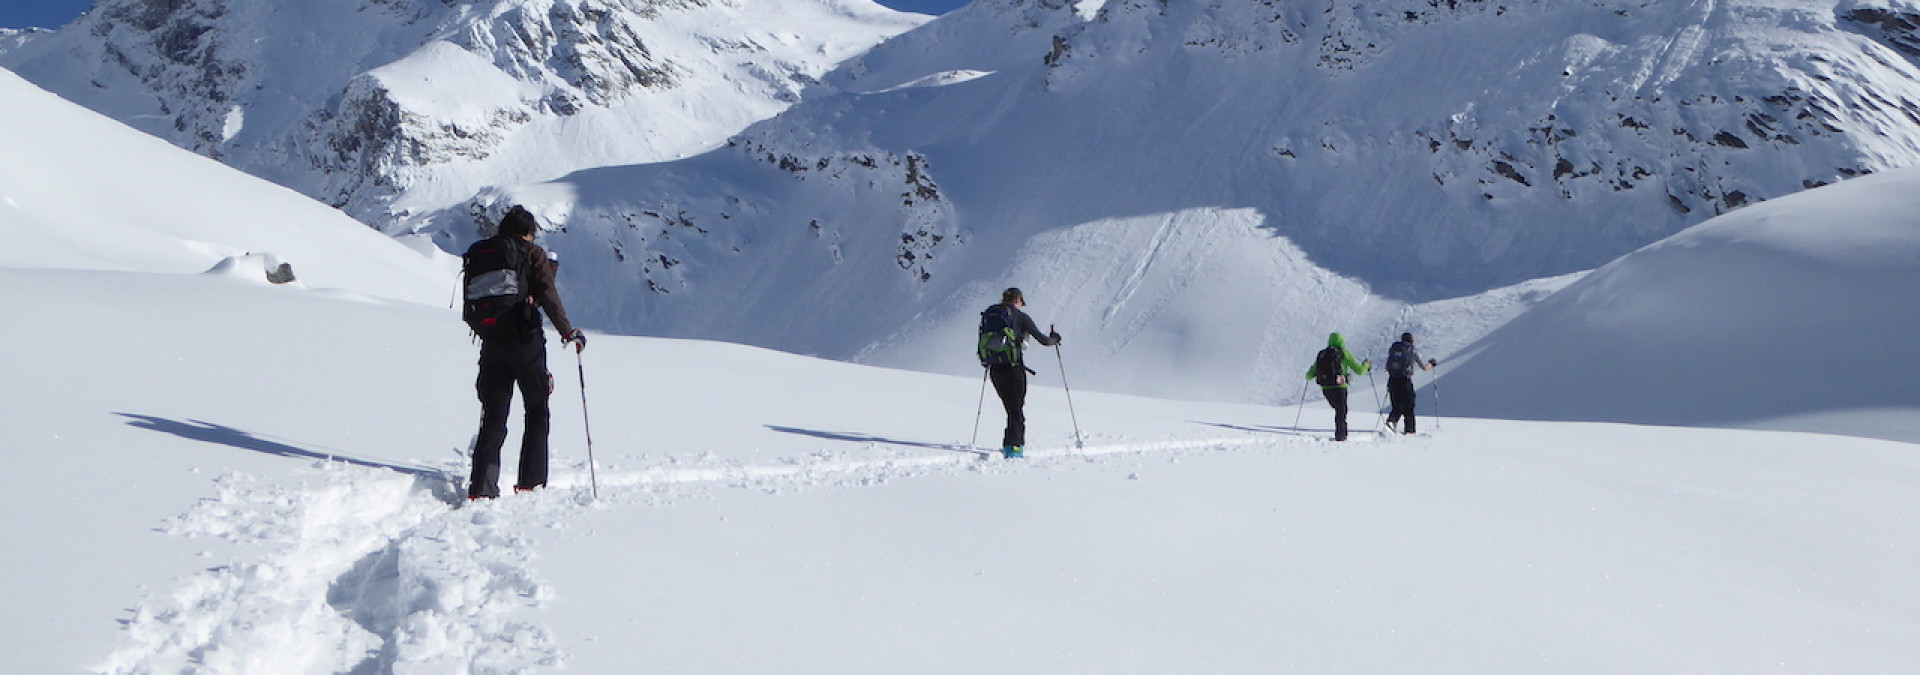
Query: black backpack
x,y
494,278
999,337
1328,369
1397,360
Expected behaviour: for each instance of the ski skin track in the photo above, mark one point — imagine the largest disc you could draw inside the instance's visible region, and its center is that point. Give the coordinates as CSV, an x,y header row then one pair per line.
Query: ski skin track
x,y
441,583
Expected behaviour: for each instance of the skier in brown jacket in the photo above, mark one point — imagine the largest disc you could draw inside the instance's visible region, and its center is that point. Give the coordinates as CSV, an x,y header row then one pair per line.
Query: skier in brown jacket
x,y
513,350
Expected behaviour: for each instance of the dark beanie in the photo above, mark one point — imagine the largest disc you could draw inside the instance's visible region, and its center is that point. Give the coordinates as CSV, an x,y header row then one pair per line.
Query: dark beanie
x,y
518,223
1406,337
1010,295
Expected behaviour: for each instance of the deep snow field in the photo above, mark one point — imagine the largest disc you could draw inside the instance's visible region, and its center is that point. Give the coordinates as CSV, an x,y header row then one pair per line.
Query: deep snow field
x,y
218,475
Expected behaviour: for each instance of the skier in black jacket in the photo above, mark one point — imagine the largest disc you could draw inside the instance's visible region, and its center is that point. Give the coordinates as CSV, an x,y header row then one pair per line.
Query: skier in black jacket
x,y
1402,358
518,359
1004,364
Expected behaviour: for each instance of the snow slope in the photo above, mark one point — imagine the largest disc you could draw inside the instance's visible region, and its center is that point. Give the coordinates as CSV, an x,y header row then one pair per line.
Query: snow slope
x,y
1789,314
82,191
1197,193
271,490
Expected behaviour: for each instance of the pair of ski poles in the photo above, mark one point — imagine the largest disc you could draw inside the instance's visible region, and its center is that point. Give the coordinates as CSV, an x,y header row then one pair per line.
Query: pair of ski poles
x,y
980,407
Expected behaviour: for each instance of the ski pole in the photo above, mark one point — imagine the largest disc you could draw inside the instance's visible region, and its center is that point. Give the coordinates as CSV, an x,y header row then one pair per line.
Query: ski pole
x,y
1380,414
1077,443
1434,382
975,441
593,474
1300,408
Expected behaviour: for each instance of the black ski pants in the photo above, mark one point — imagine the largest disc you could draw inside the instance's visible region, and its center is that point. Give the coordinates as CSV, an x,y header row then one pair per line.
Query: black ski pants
x,y
1010,382
505,365
1337,397
1400,391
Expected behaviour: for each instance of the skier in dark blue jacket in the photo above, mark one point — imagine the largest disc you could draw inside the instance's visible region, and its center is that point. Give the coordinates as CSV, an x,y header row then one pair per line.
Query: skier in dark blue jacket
x,y
1402,358
1004,330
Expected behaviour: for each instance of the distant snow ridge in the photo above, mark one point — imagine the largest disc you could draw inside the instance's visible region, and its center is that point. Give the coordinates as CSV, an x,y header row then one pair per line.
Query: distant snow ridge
x,y
391,108
1734,323
14,38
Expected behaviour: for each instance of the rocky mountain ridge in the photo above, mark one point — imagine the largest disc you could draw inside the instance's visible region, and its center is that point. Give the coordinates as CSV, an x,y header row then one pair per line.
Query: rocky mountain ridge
x,y
390,109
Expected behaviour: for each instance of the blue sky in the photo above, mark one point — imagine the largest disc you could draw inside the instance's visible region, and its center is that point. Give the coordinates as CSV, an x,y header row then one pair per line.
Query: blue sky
x,y
56,13
40,13
924,6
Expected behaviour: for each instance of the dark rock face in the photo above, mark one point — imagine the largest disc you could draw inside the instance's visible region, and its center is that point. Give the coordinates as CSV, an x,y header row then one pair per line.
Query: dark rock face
x,y
1897,29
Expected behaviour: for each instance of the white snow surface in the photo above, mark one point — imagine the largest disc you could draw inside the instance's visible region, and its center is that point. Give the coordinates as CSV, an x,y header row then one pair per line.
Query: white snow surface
x,y
82,191
1789,314
227,477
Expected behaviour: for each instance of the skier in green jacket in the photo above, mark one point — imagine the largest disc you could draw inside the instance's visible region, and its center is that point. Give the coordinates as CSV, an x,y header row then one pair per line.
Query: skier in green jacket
x,y
1330,369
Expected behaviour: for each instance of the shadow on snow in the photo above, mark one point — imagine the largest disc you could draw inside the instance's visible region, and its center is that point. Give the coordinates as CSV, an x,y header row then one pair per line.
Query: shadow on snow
x,y
208,432
855,437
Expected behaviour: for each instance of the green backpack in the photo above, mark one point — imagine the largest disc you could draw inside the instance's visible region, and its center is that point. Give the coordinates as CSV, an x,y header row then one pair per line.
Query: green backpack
x,y
999,337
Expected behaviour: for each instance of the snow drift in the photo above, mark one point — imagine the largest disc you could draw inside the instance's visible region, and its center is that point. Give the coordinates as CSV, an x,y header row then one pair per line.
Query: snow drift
x,y
81,191
1790,314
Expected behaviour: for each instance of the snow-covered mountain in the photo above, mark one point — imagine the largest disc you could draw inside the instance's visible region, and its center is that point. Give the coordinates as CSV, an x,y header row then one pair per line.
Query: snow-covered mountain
x,y
216,475
1197,193
1793,314
393,108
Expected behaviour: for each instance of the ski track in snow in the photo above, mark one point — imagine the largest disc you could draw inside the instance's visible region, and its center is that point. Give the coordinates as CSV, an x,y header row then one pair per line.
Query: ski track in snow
x,y
368,570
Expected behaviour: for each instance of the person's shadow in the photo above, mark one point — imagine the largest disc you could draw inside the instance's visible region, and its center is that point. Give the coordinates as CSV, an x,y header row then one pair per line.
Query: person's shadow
x,y
208,432
1264,429
855,437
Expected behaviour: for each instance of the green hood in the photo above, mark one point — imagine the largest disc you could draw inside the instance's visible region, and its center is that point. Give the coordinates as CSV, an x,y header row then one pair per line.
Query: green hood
x,y
1334,340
